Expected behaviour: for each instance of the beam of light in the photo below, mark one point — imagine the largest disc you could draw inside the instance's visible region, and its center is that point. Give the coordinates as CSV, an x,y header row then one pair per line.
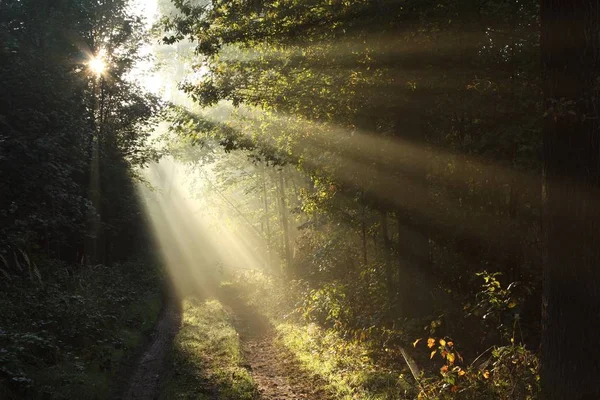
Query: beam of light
x,y
199,235
197,244
349,144
394,171
376,45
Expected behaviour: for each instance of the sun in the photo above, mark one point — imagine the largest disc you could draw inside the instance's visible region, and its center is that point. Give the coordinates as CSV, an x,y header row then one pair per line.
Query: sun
x,y
97,65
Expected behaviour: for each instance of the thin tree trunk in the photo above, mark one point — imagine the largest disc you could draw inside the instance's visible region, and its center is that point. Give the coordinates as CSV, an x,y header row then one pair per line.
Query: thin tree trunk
x,y
387,255
414,268
267,216
364,234
284,221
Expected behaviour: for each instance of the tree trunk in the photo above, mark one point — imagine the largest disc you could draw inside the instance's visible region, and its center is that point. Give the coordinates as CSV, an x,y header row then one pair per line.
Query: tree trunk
x,y
571,295
284,221
414,268
267,217
387,256
363,223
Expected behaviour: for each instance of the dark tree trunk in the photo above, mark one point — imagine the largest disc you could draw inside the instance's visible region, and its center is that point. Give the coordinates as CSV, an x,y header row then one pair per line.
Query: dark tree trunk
x,y
571,295
414,268
387,256
363,235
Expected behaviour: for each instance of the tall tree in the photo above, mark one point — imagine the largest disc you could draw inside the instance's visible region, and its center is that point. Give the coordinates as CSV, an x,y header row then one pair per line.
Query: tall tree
x,y
571,302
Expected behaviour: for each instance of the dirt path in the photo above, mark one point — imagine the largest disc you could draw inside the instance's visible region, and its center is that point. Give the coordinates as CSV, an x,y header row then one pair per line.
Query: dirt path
x,y
146,377
276,371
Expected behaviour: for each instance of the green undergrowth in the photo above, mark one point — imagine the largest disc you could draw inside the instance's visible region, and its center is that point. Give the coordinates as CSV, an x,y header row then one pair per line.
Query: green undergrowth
x,y
67,332
206,360
348,366
369,366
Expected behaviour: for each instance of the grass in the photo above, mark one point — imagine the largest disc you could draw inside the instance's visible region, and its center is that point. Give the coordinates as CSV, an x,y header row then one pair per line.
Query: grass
x,y
347,366
72,334
206,360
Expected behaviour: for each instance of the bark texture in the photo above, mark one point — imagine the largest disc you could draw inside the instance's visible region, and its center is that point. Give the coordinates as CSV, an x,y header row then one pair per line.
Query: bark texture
x,y
571,302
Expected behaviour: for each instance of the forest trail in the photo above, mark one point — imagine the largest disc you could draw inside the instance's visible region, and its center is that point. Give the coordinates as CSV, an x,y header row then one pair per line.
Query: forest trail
x,y
277,373
145,382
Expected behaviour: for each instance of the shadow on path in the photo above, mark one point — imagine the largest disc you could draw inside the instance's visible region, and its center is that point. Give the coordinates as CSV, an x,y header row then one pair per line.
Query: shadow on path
x,y
146,378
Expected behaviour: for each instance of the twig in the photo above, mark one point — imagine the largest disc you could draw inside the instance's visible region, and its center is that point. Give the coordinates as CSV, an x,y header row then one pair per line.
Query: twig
x,y
414,369
481,355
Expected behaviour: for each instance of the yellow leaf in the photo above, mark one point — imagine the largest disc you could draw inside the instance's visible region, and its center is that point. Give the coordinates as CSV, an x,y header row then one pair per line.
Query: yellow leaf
x,y
450,357
486,374
461,372
430,342
432,354
416,341
442,342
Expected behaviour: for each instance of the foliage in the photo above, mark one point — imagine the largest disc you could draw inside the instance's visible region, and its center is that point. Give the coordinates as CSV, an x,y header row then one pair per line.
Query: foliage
x,y
500,372
73,304
54,113
414,127
441,140
69,334
504,372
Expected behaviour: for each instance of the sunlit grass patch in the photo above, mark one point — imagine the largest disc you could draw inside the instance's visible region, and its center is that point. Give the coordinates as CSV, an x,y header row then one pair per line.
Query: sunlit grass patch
x,y
206,358
347,367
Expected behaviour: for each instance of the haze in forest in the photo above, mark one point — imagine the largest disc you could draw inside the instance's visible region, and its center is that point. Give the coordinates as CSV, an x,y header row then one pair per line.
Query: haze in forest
x,y
324,199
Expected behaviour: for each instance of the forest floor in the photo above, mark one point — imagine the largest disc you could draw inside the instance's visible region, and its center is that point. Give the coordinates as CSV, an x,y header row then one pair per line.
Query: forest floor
x,y
219,348
276,371
231,346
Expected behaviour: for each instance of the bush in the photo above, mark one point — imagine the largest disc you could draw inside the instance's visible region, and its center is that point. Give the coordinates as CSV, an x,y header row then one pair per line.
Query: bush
x,y
66,334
